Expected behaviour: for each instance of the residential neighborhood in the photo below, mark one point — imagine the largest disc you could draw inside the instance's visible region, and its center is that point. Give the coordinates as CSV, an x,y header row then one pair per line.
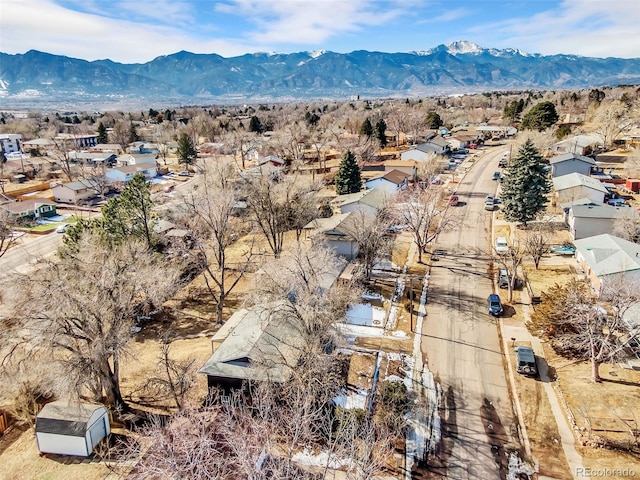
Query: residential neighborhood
x,y
292,297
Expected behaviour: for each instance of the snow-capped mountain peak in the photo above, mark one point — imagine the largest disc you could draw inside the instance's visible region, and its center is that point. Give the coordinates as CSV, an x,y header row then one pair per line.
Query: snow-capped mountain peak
x,y
316,53
463,46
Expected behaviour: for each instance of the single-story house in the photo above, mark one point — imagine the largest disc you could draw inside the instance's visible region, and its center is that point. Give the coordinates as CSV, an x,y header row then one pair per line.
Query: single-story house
x,y
257,343
135,159
590,220
575,186
126,173
579,144
408,167
605,257
273,160
30,209
336,233
115,148
368,201
38,145
137,148
74,192
459,140
390,182
426,151
571,163
93,158
66,428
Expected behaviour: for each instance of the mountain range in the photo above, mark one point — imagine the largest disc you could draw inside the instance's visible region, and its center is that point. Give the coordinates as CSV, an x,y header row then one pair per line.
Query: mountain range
x,y
189,78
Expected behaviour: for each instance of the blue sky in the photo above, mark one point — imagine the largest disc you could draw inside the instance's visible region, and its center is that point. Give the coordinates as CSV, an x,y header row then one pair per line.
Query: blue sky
x,y
140,30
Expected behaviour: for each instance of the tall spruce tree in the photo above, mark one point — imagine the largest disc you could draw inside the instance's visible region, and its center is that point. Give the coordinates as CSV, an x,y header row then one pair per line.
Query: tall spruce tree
x,y
525,185
381,132
366,128
102,134
187,152
348,179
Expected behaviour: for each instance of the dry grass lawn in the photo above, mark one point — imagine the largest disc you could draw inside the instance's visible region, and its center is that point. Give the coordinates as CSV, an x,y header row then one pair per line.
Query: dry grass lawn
x,y
541,426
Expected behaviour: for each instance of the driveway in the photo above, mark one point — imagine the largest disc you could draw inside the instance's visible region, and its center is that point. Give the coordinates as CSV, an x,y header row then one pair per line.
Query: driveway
x,y
461,344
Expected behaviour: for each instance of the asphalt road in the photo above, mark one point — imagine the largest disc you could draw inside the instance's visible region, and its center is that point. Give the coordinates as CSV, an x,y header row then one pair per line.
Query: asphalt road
x,y
461,345
27,251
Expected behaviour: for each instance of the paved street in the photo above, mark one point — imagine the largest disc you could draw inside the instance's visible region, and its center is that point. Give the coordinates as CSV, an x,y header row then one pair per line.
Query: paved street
x,y
28,249
461,345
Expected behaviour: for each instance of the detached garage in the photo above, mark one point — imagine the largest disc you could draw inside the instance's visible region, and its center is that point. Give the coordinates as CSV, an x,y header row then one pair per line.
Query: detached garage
x,y
67,428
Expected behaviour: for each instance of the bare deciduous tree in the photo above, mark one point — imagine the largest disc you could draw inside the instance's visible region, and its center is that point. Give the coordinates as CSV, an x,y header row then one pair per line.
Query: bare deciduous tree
x,y
81,311
7,237
584,326
421,211
511,261
372,236
536,244
211,209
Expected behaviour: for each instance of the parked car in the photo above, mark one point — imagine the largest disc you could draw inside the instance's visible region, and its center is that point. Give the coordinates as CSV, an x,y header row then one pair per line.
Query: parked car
x,y
526,361
62,228
472,145
494,305
488,205
501,245
184,173
454,200
496,176
502,163
503,278
489,198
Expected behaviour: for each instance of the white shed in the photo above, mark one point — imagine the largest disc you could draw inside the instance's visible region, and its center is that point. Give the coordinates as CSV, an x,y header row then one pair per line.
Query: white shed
x,y
66,428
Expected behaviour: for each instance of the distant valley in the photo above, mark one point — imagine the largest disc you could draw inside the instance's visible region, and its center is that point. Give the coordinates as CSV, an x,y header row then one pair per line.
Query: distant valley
x,y
41,79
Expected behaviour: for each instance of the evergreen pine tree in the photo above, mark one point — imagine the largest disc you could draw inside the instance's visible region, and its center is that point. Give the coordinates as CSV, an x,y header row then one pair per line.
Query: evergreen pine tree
x,y
525,185
366,128
381,132
348,178
102,134
187,152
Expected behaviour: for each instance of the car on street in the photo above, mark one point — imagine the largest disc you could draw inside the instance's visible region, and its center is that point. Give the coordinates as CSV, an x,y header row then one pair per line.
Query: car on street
x,y
501,245
494,305
184,173
526,361
454,200
496,176
62,228
503,278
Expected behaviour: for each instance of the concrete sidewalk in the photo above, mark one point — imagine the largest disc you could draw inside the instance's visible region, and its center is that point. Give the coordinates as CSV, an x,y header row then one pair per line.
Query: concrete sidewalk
x,y
520,333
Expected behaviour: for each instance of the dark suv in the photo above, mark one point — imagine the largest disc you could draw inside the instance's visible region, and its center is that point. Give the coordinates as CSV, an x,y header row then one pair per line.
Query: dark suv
x,y
495,305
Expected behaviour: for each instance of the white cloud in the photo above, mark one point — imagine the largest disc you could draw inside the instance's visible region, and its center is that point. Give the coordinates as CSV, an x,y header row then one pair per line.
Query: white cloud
x,y
581,27
46,26
313,22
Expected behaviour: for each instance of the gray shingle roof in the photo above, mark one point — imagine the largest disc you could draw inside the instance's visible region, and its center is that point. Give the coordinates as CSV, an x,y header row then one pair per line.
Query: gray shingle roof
x,y
571,156
607,255
576,179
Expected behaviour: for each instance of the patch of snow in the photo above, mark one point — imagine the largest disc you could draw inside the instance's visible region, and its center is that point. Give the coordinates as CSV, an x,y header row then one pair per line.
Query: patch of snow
x,y
316,53
360,330
517,467
321,459
400,334
462,47
357,400
394,378
372,296
365,314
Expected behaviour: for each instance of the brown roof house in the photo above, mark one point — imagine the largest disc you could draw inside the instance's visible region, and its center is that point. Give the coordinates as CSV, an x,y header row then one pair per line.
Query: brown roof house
x,y
390,182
